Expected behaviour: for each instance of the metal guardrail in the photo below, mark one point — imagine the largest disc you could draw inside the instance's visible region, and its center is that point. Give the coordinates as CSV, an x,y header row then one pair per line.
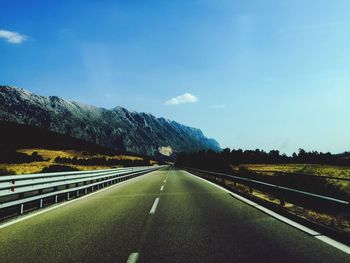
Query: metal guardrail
x,y
18,190
284,193
300,174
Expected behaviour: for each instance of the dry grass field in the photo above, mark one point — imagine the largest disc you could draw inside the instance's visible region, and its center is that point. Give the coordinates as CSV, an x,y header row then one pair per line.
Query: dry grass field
x,y
339,222
310,169
49,159
313,169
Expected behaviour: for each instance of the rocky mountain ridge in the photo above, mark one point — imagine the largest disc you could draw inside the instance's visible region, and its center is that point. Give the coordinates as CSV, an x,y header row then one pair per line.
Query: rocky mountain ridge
x,y
116,128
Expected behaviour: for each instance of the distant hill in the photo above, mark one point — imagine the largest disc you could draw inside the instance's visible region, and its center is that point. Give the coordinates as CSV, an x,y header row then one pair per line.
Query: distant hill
x,y
117,128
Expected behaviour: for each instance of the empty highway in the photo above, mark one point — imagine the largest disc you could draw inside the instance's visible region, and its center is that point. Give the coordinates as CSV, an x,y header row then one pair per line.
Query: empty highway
x,y
164,216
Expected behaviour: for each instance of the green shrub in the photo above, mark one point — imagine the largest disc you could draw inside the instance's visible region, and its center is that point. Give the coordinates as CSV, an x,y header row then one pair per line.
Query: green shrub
x,y
6,172
58,168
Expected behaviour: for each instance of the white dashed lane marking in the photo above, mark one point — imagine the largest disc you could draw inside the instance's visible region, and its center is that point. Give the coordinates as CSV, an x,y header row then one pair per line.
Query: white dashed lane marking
x,y
154,206
133,258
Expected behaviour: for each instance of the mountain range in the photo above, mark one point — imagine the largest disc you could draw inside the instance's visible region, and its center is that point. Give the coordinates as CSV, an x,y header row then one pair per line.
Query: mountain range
x,y
116,128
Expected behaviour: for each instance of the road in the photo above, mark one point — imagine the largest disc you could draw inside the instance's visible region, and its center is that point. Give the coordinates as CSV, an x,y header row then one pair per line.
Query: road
x,y
163,216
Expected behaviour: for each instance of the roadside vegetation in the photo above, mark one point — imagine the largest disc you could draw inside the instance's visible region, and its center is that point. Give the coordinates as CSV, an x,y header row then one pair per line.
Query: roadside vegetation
x,y
28,161
312,169
314,172
303,170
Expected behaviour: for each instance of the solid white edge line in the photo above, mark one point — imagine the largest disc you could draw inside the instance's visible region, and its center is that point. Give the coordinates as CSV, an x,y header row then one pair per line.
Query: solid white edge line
x,y
305,229
44,210
334,243
288,221
133,258
154,206
161,189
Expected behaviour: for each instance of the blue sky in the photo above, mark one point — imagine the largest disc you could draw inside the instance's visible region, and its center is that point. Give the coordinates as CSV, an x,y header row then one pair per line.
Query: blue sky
x,y
251,74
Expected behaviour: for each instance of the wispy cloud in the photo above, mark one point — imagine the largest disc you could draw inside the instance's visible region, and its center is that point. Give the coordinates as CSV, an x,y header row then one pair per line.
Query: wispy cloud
x,y
218,106
185,98
12,37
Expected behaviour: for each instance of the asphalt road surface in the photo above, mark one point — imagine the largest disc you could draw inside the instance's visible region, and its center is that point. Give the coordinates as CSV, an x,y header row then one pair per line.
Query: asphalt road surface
x,y
163,216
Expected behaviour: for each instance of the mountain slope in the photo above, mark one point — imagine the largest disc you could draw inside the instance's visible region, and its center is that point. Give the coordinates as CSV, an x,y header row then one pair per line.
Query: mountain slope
x,y
117,128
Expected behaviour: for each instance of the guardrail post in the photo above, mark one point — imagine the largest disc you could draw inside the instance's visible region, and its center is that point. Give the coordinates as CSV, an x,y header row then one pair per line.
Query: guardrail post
x,y
41,203
21,209
85,190
13,188
67,196
282,202
56,199
77,193
250,189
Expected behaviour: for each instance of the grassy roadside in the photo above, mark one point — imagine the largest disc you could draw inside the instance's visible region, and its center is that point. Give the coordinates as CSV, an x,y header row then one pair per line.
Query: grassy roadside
x,y
49,157
339,222
313,169
303,169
